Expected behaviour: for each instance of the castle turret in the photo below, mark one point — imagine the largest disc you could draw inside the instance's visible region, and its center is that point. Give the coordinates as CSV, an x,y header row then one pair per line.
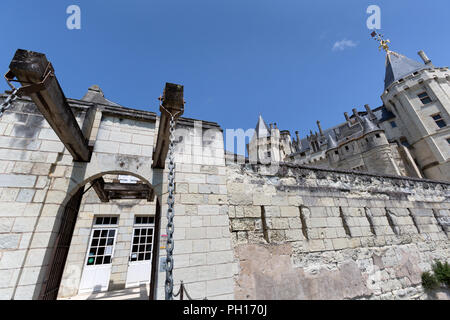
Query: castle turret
x,y
419,97
264,147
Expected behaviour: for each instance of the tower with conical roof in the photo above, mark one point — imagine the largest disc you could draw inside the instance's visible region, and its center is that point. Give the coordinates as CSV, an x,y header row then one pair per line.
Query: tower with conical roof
x,y
264,146
418,94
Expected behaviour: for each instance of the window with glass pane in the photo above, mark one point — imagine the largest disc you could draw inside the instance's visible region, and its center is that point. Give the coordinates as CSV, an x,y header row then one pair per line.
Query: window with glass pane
x,y
439,121
144,220
100,251
142,244
424,97
105,220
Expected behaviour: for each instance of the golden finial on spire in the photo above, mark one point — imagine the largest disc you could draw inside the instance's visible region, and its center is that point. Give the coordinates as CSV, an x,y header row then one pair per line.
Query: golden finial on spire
x,y
383,43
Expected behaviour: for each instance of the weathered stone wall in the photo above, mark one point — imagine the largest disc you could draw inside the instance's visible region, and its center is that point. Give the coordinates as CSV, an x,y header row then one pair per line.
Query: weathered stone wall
x,y
305,233
203,255
38,177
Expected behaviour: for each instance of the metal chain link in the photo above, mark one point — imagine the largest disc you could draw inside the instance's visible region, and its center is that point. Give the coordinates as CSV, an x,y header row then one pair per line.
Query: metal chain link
x,y
8,102
170,213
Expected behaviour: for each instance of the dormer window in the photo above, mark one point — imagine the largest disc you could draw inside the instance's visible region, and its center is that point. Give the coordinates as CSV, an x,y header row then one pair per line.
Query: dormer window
x,y
424,97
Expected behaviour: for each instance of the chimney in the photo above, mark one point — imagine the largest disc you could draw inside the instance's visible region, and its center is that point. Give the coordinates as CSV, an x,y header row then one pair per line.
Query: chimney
x,y
320,128
425,58
298,138
346,116
275,125
271,126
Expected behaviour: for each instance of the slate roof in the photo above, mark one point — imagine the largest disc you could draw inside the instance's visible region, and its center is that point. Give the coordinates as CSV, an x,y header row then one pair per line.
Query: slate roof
x,y
95,95
262,130
398,66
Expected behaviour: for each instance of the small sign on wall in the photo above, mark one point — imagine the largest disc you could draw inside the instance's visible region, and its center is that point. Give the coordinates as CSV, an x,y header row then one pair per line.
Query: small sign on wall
x,y
163,241
162,264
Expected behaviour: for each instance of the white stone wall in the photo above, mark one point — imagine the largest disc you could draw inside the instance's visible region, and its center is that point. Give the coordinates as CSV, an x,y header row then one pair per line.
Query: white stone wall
x,y
38,177
203,256
430,147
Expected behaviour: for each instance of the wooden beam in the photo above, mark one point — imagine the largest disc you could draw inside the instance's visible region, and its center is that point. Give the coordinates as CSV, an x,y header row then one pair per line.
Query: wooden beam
x,y
173,102
30,67
133,187
117,190
99,186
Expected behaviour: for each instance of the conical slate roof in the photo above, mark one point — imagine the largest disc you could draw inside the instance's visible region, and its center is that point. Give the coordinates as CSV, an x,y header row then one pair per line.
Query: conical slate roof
x,y
368,125
398,66
95,95
331,142
262,130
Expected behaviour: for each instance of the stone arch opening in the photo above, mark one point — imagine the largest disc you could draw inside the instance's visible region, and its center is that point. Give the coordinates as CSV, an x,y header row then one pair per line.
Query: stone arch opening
x,y
123,195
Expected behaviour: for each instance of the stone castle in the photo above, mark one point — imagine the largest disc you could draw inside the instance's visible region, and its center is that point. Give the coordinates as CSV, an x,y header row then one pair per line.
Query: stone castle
x,y
408,135
83,215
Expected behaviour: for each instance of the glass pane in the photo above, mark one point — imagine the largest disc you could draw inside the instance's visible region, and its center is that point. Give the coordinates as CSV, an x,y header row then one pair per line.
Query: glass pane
x,y
107,260
136,232
110,241
151,219
141,248
135,249
147,256
111,233
106,220
99,220
99,260
97,233
102,242
133,259
148,247
138,220
114,220
101,251
90,261
92,251
149,239
104,233
143,232
94,242
441,123
141,256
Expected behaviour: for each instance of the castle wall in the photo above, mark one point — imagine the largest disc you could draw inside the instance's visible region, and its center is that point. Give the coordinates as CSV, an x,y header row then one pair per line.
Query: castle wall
x,y
38,177
303,233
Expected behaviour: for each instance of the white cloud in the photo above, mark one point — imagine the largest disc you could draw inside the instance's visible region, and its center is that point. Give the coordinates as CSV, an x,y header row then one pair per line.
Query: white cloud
x,y
343,44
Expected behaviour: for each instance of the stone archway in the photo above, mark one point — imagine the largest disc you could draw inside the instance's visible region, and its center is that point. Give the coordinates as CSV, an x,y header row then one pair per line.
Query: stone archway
x,y
68,215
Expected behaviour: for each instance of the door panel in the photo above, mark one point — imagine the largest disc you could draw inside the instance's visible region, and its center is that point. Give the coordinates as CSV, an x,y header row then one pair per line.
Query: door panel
x,y
140,259
97,267
54,273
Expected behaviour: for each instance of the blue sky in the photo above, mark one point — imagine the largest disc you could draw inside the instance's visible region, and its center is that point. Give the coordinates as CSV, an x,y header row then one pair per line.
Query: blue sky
x,y
235,58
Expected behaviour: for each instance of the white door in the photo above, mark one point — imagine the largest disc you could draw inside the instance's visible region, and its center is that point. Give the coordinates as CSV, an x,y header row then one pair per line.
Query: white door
x,y
140,259
97,266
